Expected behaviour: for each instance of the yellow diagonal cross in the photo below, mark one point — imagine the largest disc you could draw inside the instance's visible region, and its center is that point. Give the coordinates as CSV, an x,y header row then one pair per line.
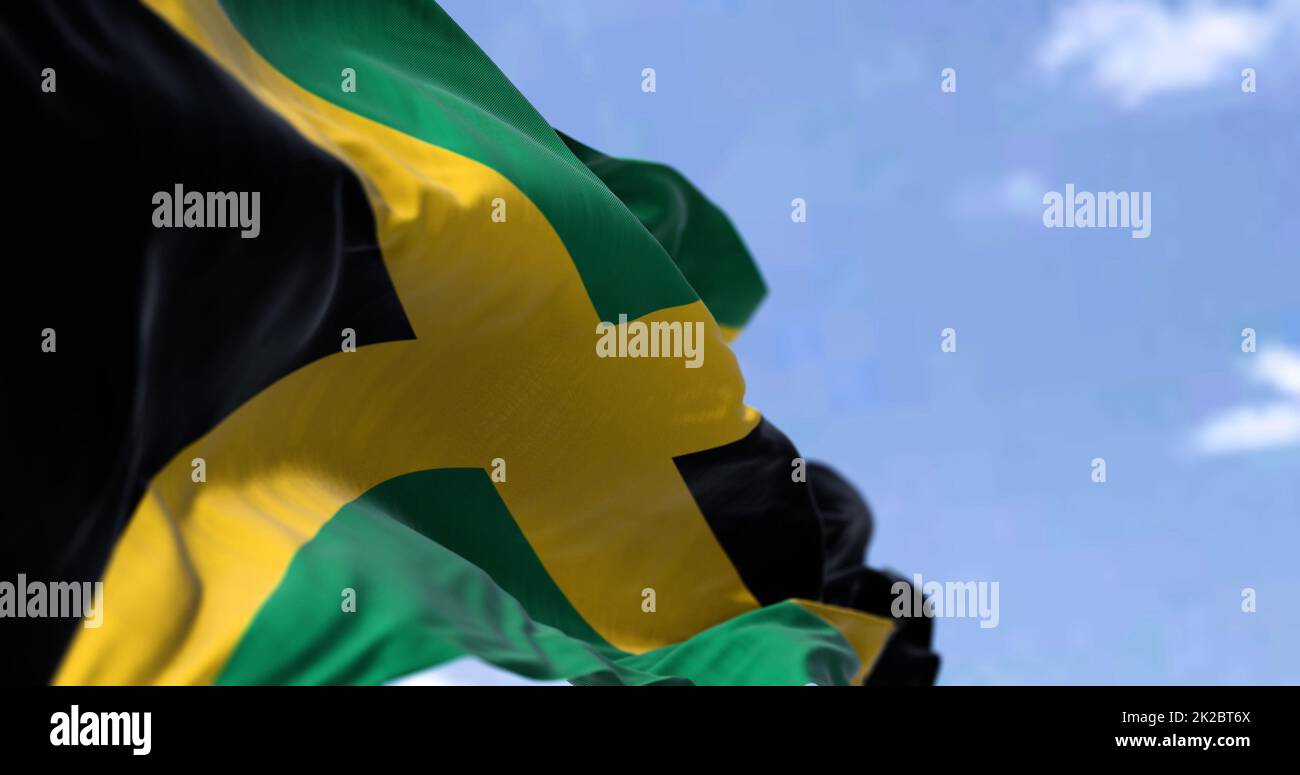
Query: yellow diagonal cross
x,y
503,365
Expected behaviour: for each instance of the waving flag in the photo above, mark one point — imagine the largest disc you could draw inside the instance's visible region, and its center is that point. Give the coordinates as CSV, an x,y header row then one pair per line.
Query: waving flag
x,y
361,424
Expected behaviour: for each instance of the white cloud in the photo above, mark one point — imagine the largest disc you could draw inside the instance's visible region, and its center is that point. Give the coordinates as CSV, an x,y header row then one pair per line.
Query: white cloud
x,y
1268,425
1018,192
469,671
1132,50
1281,369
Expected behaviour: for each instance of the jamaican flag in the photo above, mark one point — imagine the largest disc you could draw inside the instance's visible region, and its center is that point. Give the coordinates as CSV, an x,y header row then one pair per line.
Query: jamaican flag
x,y
328,363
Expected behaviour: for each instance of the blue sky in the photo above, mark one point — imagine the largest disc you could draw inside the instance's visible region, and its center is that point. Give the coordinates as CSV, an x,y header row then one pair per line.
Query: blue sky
x,y
924,212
